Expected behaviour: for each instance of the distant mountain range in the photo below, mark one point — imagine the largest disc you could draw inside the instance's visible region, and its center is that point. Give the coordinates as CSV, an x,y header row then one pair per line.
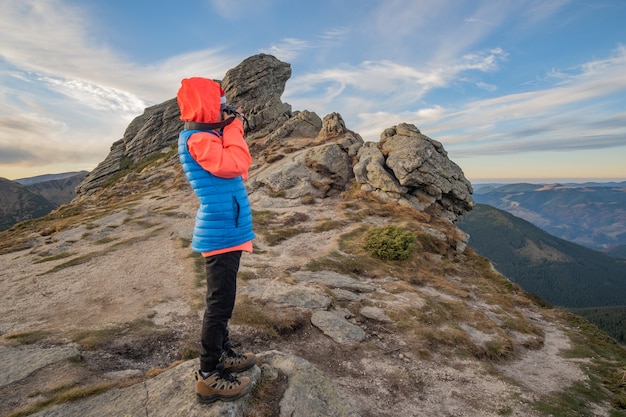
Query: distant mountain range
x,y
50,177
30,198
590,214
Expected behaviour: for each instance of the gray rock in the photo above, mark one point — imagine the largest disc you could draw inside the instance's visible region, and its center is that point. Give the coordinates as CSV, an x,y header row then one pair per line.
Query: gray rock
x,y
171,393
337,328
318,171
299,297
334,128
304,124
345,295
256,85
16,363
409,168
375,313
310,393
371,170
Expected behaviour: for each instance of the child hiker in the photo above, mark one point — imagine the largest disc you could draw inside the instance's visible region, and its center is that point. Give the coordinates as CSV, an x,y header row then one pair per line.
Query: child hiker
x,y
215,158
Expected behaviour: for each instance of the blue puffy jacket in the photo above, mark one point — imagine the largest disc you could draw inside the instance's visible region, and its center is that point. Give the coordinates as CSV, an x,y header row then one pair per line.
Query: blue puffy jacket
x,y
224,218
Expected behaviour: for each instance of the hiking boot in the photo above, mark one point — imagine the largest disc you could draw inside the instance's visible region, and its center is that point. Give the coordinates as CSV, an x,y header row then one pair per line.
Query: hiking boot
x,y
235,362
221,385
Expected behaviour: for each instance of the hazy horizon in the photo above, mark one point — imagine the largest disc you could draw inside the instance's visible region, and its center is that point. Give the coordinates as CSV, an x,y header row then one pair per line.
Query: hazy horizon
x,y
479,181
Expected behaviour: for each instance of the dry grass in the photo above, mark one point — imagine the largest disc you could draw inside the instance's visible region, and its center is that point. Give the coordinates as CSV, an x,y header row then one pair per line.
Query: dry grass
x,y
436,266
63,395
266,395
271,321
95,339
28,337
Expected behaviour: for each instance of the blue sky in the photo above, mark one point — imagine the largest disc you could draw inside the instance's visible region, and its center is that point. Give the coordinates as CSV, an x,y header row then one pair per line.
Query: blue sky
x,y
515,90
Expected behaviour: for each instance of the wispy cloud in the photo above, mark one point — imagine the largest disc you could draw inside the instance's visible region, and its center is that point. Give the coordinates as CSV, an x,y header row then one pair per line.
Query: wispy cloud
x,y
382,84
288,49
566,116
334,34
571,115
56,73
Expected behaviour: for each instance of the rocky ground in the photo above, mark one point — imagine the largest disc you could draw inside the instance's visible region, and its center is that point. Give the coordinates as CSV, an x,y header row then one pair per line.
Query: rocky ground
x,y
115,301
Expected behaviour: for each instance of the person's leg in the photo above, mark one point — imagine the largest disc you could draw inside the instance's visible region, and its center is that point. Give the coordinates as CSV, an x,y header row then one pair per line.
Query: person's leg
x,y
214,381
221,277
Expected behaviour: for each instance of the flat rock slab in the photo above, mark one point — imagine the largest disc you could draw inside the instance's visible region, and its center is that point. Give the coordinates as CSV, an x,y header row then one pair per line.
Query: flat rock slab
x,y
16,363
310,392
375,313
337,327
171,393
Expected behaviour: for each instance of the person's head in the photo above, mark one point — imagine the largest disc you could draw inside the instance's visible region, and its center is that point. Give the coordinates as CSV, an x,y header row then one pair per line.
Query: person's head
x,y
200,100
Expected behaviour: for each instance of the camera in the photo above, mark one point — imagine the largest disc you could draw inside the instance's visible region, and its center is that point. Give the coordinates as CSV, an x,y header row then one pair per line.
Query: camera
x,y
230,110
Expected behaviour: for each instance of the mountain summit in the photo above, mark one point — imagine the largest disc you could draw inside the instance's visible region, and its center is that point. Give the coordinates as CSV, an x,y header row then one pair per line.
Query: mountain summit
x,y
361,296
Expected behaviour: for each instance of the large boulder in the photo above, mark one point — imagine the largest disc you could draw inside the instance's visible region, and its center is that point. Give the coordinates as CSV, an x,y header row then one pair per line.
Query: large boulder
x,y
306,158
409,168
315,172
256,85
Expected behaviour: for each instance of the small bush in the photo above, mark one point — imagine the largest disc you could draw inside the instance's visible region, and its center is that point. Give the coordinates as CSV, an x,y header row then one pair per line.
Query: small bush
x,y
390,243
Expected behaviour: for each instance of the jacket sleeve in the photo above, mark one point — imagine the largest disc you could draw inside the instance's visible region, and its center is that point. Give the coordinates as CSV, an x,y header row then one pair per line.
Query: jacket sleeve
x,y
227,156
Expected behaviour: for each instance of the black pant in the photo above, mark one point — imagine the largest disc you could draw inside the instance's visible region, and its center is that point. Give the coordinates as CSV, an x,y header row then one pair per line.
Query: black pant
x,y
221,283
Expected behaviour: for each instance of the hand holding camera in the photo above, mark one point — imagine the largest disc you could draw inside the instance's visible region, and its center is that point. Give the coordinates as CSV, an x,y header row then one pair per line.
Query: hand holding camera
x,y
229,111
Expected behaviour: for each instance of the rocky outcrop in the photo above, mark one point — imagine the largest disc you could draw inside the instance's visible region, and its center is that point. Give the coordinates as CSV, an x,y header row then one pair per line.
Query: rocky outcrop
x,y
309,391
256,85
409,168
299,155
306,158
156,130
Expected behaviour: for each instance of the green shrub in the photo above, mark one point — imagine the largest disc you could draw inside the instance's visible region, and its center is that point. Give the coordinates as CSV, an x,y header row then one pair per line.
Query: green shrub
x,y
390,243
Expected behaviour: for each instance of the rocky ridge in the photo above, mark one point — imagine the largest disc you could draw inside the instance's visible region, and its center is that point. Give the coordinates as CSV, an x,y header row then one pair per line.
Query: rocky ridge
x,y
339,333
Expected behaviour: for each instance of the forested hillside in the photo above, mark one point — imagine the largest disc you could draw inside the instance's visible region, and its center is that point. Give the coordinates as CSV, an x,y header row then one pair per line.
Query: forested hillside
x,y
561,272
612,320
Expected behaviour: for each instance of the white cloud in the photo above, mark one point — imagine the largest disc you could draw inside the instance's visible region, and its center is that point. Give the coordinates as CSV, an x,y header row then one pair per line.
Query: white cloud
x,y
96,96
569,116
289,49
381,86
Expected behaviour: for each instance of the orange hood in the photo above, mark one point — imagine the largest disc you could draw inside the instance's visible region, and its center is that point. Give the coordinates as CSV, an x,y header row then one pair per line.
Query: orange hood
x,y
199,100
